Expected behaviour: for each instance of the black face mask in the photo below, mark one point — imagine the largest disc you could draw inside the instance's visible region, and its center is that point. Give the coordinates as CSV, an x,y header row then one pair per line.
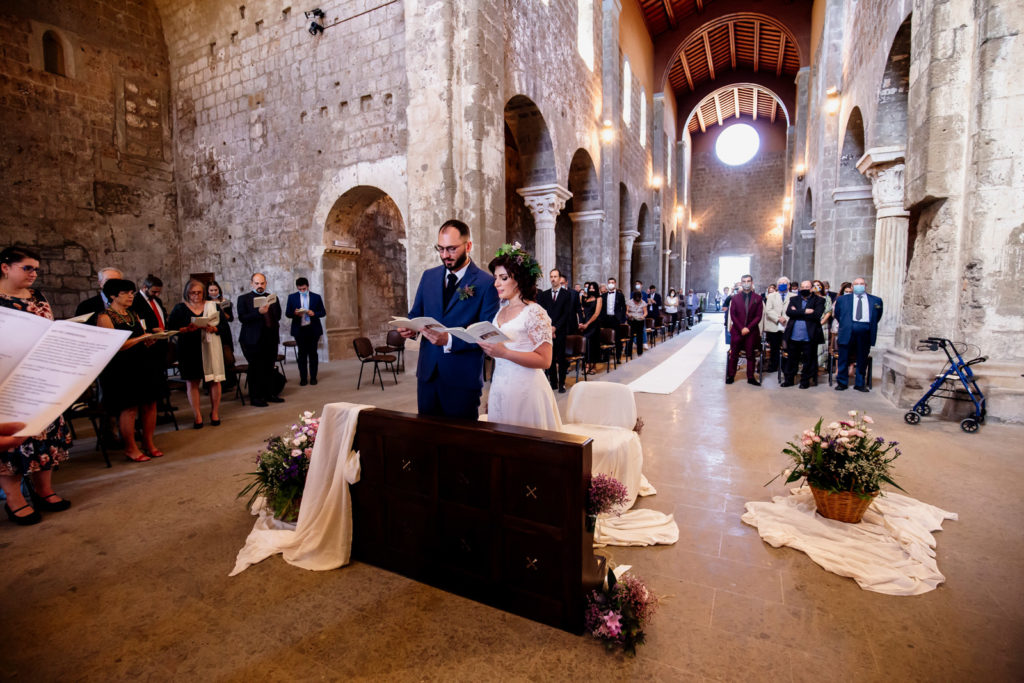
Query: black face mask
x,y
805,293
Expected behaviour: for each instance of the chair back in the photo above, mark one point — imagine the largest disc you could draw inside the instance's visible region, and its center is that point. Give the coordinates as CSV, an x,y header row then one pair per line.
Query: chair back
x,y
574,345
624,331
649,323
363,347
607,335
395,339
602,403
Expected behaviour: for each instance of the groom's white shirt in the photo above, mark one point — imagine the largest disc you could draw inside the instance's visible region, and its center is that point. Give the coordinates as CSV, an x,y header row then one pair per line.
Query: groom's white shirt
x,y
459,274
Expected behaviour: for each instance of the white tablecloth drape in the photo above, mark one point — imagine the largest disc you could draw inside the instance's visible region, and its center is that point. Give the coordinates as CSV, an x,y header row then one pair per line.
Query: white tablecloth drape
x,y
891,551
321,539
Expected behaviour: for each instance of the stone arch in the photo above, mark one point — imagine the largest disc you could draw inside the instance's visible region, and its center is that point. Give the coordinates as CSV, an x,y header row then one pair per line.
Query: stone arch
x,y
852,234
578,232
529,162
783,93
851,152
363,266
643,247
890,126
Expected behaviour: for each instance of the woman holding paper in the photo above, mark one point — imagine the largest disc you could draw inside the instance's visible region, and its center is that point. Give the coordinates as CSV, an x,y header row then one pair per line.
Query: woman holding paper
x,y
200,350
35,457
520,393
128,385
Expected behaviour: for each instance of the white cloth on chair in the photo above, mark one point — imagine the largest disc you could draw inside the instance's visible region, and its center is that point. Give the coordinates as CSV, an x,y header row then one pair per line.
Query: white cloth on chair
x,y
321,539
601,403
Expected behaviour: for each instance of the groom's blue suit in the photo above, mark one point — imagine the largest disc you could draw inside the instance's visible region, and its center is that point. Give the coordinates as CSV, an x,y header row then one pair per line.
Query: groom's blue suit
x,y
450,383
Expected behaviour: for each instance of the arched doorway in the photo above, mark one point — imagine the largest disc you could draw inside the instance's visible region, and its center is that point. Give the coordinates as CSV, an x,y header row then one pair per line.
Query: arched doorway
x,y
640,263
579,241
853,229
529,162
364,267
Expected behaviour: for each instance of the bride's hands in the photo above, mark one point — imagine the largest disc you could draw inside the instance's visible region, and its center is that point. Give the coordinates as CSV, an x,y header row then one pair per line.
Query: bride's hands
x,y
493,350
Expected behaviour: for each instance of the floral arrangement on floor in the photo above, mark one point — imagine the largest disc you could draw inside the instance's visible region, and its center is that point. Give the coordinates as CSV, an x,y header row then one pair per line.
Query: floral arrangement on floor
x,y
618,614
606,493
281,469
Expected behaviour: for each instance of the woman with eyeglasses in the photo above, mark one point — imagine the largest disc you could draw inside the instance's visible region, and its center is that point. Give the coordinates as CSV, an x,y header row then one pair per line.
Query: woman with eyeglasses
x,y
38,456
200,351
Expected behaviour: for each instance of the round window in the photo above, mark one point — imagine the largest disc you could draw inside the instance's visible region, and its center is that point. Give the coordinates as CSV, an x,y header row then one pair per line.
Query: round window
x,y
737,144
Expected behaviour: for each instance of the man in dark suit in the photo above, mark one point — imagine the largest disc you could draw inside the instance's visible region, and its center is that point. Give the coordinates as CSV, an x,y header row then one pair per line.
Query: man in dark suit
x,y
745,311
260,337
458,293
803,334
98,303
148,305
613,313
559,302
305,308
654,307
858,315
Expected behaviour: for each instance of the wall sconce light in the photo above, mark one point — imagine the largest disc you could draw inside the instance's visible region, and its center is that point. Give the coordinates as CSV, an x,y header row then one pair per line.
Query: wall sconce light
x,y
656,182
693,225
607,132
786,202
800,169
832,100
679,213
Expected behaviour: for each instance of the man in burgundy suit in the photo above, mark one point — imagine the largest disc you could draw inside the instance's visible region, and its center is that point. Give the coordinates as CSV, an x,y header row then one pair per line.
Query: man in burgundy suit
x,y
745,311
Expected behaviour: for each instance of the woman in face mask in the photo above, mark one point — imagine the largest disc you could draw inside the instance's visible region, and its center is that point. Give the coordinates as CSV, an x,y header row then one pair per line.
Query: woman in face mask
x,y
818,289
672,309
591,304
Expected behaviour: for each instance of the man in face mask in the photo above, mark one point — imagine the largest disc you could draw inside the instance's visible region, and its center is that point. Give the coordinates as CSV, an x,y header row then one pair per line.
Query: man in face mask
x,y
858,315
775,320
613,313
745,312
803,334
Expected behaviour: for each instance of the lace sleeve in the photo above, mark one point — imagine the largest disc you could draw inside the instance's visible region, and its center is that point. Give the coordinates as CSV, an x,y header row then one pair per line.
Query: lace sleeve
x,y
538,326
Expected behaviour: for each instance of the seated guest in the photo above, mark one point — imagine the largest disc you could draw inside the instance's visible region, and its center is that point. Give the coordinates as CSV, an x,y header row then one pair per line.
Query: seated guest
x,y
200,351
126,384
98,303
215,293
636,312
305,308
38,456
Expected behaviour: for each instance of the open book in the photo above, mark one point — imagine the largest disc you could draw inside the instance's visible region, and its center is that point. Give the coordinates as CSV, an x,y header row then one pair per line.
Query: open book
x,y
81,318
205,322
162,334
45,365
261,301
477,332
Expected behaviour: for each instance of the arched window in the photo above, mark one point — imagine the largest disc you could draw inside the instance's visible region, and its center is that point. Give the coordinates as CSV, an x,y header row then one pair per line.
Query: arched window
x,y
585,31
53,54
643,118
627,90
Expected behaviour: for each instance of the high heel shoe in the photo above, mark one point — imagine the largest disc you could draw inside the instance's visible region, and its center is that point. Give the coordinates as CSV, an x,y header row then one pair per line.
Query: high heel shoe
x,y
214,423
197,425
43,503
142,457
27,520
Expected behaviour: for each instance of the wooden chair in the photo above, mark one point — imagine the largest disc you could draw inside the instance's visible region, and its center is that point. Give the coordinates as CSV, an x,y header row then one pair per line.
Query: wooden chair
x,y
365,353
575,353
394,343
652,334
294,346
623,334
88,406
608,346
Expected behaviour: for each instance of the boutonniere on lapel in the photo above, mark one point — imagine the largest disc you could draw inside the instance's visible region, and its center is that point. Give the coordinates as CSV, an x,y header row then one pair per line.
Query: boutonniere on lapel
x,y
466,292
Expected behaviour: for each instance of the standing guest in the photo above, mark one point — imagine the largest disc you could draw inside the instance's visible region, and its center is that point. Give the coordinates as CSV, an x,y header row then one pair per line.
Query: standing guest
x,y
769,290
672,310
260,337
775,321
200,351
820,289
691,308
718,301
603,289
559,303
37,456
654,302
833,330
575,303
458,293
215,293
148,305
579,289
591,314
636,312
613,313
745,312
305,308
126,384
725,306
803,334
828,290
98,303
858,315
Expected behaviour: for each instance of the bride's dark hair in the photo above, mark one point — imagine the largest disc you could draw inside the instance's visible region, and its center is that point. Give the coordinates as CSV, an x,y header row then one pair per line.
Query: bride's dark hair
x,y
519,266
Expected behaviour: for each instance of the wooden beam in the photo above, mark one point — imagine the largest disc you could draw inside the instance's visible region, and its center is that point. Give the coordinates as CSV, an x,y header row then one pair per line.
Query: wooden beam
x,y
686,69
700,6
757,41
775,106
782,54
755,104
732,43
736,100
718,109
667,4
700,120
707,51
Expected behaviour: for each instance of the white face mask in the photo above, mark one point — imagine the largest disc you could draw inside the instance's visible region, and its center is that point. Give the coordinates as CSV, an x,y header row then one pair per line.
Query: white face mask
x,y
746,286
611,286
638,287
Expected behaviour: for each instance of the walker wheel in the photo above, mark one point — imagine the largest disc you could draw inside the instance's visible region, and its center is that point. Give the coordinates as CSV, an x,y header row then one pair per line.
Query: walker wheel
x,y
969,425
911,418
924,409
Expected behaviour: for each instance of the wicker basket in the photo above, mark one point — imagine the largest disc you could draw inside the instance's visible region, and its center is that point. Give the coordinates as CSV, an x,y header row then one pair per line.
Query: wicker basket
x,y
842,507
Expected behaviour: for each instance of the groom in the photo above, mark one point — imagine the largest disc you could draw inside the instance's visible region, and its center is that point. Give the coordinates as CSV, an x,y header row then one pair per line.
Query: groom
x,y
457,294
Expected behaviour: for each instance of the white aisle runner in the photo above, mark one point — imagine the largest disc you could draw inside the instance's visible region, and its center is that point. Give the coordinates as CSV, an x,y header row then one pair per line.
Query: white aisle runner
x,y
672,372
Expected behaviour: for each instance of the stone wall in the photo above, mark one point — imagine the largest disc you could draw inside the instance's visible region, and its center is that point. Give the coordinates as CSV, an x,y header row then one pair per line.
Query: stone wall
x,y
88,179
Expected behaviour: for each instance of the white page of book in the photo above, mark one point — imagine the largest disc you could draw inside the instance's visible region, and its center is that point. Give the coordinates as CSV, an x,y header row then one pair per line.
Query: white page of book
x,y
55,371
19,331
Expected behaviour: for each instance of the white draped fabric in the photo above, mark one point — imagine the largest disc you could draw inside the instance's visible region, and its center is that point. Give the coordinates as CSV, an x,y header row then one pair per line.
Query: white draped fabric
x,y
212,347
321,539
891,551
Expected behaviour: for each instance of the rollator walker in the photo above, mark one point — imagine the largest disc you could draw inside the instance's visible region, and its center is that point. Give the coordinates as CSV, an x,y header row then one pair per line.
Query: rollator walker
x,y
946,385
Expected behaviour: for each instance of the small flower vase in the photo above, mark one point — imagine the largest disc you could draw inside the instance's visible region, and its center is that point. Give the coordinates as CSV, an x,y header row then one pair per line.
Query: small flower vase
x,y
591,523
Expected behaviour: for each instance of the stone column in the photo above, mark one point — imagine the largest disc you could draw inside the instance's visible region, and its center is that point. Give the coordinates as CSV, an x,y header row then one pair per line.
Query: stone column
x,y
885,166
586,245
665,255
626,239
611,91
544,202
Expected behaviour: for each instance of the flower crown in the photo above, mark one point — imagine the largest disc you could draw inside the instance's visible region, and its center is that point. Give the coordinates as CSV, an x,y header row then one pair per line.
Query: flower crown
x,y
515,252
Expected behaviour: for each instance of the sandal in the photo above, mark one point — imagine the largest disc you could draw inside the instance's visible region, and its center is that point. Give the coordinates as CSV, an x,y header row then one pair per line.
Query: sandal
x,y
142,457
154,453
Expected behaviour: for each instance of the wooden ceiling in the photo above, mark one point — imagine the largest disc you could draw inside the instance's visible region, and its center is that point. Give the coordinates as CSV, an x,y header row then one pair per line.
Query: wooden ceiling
x,y
663,15
733,102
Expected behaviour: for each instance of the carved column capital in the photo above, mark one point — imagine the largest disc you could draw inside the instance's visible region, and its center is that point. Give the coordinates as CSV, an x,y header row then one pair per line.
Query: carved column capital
x,y
544,201
885,167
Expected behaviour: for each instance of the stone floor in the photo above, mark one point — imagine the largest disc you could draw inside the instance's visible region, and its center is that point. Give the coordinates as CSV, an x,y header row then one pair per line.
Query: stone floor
x,y
132,582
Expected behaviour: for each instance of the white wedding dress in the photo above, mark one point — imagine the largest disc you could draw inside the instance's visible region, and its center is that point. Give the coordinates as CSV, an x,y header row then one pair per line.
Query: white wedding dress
x,y
522,396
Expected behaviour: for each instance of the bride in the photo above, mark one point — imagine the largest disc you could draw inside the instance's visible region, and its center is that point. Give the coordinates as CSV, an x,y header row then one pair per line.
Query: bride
x,y
520,394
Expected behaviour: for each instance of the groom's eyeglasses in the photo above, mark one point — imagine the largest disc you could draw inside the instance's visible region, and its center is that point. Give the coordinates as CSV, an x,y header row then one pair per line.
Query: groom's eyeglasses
x,y
448,250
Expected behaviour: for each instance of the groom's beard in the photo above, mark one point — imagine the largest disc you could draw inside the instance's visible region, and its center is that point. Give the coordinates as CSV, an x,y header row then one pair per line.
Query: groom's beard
x,y
457,266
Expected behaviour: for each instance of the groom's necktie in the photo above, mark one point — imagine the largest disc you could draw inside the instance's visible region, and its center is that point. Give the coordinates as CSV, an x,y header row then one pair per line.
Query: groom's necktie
x,y
450,288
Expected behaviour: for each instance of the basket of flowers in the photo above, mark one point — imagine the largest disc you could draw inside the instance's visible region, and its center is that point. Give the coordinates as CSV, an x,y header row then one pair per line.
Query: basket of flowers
x,y
281,468
617,614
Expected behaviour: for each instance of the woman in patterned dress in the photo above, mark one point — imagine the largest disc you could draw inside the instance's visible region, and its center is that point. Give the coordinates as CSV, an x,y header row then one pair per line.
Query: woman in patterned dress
x,y
37,456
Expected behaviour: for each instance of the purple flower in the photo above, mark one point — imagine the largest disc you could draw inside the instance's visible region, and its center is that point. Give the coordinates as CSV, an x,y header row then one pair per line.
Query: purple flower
x,y
606,493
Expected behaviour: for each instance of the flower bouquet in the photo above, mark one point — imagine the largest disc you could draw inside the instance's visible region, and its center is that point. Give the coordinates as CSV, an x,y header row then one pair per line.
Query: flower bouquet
x,y
618,614
281,469
606,493
844,464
